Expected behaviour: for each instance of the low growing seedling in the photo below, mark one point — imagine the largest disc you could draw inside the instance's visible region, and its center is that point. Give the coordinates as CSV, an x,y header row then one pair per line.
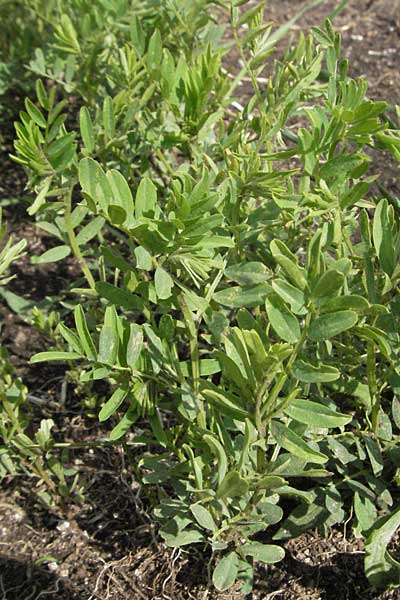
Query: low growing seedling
x,y
239,287
19,453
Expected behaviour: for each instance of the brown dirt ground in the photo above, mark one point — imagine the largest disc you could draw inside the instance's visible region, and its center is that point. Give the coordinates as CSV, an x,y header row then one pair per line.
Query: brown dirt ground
x,y
106,548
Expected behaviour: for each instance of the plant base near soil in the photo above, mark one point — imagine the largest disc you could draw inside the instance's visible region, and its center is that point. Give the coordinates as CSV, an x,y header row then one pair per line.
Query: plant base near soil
x,y
106,548
74,557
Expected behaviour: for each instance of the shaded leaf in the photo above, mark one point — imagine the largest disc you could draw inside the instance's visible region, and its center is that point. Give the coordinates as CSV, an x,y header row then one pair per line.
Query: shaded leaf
x,y
379,568
232,486
226,571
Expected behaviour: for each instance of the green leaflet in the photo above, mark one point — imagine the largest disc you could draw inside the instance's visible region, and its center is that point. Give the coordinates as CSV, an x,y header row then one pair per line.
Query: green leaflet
x,y
143,259
35,113
339,166
163,283
250,273
146,198
47,356
270,513
109,338
224,404
112,405
383,237
53,255
94,182
331,324
365,511
396,411
203,517
86,128
292,442
232,486
353,302
270,482
125,423
328,285
89,231
108,118
237,296
154,52
283,322
380,568
157,428
121,194
208,366
314,374
266,553
226,571
71,338
316,414
118,296
183,538
194,463
218,450
288,261
290,294
155,349
83,333
166,328
135,344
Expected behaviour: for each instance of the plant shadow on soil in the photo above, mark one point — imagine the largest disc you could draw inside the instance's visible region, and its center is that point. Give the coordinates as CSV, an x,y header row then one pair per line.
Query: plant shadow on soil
x,y
20,581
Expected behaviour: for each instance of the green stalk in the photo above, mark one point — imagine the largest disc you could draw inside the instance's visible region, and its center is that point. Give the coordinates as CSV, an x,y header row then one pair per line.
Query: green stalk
x,y
276,390
194,356
165,163
90,444
372,386
73,241
247,68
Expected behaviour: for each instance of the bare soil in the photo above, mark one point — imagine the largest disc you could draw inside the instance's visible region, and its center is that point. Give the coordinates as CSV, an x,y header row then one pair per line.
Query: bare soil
x,y
106,547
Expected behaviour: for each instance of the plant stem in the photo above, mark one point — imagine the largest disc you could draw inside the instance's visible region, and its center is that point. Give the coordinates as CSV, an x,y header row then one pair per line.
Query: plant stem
x,y
165,163
91,444
375,397
73,241
276,390
194,356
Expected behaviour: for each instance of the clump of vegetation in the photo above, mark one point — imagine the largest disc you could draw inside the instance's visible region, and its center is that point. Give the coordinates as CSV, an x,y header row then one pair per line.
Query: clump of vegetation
x,y
239,271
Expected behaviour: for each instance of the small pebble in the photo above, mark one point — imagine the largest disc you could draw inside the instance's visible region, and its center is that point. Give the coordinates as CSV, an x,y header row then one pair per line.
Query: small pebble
x,y
63,526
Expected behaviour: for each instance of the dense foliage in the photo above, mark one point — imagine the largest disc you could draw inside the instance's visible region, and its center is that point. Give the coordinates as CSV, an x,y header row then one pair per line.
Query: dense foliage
x,y
239,271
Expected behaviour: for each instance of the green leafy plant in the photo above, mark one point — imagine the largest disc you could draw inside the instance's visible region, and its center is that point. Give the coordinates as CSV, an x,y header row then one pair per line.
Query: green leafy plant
x,y
19,453
239,273
9,252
